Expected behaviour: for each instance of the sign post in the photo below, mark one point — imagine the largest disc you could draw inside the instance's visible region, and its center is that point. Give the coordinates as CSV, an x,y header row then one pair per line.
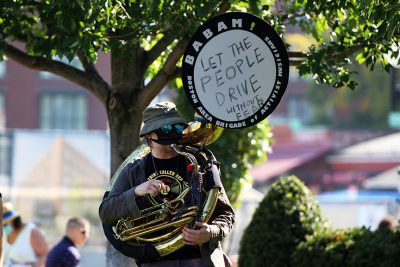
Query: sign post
x,y
235,70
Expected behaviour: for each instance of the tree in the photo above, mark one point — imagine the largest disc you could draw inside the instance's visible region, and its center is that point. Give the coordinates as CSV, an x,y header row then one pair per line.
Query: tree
x,y
146,40
286,215
367,30
367,107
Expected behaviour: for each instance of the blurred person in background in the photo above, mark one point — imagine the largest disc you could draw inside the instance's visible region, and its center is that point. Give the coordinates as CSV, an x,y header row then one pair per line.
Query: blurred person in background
x,y
65,253
388,223
28,246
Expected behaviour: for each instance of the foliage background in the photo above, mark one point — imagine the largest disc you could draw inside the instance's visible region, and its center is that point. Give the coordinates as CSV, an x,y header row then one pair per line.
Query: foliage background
x,y
283,219
349,248
237,150
289,229
365,107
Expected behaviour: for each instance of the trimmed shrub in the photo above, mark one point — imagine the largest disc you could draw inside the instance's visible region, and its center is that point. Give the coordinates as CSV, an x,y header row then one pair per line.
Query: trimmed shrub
x,y
327,248
380,248
356,247
286,215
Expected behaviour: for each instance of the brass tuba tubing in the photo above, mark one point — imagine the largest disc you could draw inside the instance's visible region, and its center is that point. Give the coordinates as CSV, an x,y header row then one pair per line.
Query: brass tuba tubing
x,y
161,225
189,156
149,230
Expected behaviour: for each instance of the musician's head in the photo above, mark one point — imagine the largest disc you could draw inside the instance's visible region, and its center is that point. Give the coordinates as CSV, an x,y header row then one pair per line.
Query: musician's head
x,y
162,124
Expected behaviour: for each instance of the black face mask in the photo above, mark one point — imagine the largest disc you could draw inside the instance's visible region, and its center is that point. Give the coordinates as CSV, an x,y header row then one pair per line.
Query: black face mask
x,y
167,139
169,134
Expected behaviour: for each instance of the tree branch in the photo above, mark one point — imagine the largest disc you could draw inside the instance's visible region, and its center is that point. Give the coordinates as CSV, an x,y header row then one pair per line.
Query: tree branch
x,y
175,74
166,73
295,62
165,41
169,70
296,54
88,66
223,7
296,57
125,36
157,49
94,83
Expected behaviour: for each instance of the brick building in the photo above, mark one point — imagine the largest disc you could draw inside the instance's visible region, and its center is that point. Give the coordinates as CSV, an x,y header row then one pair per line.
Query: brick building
x,y
32,99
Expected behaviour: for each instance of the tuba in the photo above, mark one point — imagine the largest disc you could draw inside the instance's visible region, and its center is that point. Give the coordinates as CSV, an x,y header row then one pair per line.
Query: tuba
x,y
157,232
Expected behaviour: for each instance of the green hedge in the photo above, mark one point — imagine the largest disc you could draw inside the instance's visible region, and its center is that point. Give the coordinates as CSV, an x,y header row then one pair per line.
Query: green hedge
x,y
288,229
332,248
356,247
283,219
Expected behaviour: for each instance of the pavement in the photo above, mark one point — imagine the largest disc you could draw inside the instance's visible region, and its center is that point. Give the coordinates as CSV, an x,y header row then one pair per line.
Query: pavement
x,y
93,256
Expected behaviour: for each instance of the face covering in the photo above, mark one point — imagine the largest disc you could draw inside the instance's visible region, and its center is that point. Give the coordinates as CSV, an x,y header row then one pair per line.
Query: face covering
x,y
167,139
7,229
169,134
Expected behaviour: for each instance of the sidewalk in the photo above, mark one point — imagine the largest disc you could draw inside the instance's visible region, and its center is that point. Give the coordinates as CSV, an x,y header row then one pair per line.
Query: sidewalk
x,y
93,257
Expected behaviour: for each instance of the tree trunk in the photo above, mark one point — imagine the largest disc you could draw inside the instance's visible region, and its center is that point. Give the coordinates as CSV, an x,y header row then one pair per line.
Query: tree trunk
x,y
124,131
125,122
125,104
115,258
124,111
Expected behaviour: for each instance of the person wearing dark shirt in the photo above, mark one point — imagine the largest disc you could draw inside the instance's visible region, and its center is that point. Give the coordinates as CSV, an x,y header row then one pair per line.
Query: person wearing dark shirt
x,y
162,175
65,253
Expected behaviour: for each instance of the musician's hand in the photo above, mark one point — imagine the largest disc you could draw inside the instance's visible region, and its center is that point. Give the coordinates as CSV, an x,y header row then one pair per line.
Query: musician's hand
x,y
152,187
196,237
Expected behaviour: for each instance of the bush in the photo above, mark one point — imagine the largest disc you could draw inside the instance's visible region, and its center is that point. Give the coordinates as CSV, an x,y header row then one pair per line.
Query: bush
x,y
329,248
357,247
379,248
286,215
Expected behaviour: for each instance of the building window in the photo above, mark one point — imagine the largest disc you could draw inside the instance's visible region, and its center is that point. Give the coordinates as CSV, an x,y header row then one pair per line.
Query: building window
x,y
299,108
2,112
5,157
2,69
65,111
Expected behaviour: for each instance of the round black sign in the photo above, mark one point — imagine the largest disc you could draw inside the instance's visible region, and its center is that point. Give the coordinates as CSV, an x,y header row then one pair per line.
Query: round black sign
x,y
235,70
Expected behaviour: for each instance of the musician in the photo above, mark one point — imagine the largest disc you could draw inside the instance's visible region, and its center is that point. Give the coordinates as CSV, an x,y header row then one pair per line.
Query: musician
x,y
154,178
